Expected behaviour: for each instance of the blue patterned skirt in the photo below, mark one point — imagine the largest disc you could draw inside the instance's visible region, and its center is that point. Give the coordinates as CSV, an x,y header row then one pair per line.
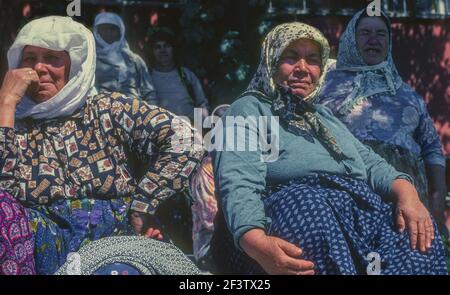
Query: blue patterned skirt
x,y
341,225
67,225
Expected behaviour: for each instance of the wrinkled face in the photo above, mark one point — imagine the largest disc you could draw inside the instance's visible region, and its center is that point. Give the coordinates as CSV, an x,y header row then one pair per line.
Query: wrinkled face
x,y
163,53
52,67
299,67
372,38
110,33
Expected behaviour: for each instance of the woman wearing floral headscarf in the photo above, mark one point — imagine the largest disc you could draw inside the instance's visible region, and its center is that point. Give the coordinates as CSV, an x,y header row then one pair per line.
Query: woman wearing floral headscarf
x,y
367,94
118,68
64,151
327,203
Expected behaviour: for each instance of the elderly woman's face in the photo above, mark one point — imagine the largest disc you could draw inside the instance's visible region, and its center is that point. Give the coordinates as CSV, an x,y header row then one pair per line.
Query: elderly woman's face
x,y
372,39
52,67
299,67
110,33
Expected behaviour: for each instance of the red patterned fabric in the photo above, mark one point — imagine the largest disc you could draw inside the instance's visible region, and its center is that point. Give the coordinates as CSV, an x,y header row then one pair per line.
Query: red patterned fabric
x,y
16,239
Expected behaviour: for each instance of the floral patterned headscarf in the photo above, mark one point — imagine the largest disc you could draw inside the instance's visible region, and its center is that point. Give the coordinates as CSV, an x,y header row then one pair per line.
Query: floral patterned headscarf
x,y
276,41
297,113
369,80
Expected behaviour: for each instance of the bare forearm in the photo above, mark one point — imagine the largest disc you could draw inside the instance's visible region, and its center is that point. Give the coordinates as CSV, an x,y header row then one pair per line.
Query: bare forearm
x,y
250,241
402,189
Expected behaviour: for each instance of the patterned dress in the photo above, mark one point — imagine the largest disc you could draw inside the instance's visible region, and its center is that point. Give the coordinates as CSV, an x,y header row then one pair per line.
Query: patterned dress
x,y
73,174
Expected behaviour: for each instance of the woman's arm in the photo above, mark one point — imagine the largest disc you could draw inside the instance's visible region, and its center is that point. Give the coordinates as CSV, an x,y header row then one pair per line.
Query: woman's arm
x,y
163,141
410,212
240,178
239,175
398,188
13,88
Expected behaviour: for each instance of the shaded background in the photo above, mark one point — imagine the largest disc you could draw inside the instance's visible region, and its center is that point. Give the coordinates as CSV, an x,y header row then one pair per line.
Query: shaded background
x,y
220,40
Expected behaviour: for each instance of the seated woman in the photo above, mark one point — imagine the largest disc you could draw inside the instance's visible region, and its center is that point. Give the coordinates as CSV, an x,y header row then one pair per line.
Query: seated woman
x,y
118,68
327,204
368,95
64,151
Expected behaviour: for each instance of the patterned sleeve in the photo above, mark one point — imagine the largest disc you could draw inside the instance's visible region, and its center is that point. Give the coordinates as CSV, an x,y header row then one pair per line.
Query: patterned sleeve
x,y
8,161
162,138
428,138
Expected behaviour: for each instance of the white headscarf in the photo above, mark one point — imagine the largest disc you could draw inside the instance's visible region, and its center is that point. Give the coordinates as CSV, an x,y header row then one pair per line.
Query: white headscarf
x,y
114,53
58,33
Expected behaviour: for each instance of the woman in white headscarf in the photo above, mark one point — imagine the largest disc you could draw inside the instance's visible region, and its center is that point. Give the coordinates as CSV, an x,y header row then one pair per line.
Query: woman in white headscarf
x,y
64,151
118,68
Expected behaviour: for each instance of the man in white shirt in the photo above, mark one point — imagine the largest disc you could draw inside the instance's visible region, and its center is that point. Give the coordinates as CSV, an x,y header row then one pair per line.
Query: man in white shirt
x,y
177,88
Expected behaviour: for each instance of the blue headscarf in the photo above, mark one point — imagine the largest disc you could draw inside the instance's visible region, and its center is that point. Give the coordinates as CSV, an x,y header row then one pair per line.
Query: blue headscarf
x,y
365,81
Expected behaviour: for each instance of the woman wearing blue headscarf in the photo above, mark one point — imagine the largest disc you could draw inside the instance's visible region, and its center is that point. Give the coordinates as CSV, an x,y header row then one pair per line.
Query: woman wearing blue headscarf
x,y
368,95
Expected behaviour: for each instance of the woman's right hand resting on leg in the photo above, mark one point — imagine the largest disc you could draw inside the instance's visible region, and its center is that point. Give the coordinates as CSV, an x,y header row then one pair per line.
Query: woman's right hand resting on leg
x,y
276,256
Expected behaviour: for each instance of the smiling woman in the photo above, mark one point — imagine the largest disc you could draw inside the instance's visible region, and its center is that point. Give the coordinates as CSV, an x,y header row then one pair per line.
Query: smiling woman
x,y
367,93
372,39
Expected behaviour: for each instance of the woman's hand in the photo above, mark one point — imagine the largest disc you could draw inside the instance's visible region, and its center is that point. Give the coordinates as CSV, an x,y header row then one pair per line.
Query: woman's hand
x,y
146,224
16,83
412,215
276,256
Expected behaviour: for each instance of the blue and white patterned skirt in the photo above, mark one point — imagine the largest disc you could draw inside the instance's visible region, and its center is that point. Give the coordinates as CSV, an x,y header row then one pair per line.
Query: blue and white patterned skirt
x,y
339,223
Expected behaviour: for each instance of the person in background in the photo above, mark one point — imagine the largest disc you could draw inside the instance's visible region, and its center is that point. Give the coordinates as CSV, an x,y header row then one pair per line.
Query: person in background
x,y
177,88
118,68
